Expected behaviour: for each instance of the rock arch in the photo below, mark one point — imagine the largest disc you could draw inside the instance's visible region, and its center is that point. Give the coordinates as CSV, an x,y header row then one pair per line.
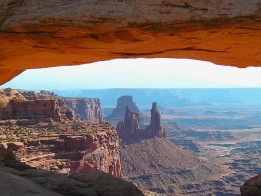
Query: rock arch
x,y
36,34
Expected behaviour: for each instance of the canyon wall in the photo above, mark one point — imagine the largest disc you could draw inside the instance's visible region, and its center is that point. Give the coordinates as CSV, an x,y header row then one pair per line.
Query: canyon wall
x,y
52,33
88,109
71,153
29,104
46,133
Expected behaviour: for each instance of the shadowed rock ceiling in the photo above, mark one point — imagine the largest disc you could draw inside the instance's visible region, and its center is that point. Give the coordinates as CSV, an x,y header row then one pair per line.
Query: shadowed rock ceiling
x,y
35,33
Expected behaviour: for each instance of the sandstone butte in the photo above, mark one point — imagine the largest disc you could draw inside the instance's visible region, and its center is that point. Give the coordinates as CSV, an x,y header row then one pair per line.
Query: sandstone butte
x,y
36,34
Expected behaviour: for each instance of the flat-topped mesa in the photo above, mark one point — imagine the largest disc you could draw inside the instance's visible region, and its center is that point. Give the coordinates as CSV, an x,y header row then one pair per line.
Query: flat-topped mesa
x,y
88,109
130,127
155,129
29,104
122,103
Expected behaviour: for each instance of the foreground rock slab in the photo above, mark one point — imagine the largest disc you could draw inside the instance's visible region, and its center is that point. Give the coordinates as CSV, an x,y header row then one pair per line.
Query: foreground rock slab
x,y
39,182
252,187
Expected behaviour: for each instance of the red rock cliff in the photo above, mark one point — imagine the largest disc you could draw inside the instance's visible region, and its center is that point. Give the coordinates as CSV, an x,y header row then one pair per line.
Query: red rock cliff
x,y
28,104
88,109
81,147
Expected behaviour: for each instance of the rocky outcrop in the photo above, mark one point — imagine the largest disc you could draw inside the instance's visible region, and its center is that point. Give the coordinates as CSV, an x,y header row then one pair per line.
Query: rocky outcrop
x,y
252,187
17,179
88,31
82,147
88,109
120,110
154,129
43,183
130,127
28,104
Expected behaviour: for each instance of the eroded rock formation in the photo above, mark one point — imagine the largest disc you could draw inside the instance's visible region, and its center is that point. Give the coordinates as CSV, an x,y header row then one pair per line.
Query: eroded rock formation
x,y
46,133
29,104
129,128
252,187
96,146
154,129
51,33
122,103
88,109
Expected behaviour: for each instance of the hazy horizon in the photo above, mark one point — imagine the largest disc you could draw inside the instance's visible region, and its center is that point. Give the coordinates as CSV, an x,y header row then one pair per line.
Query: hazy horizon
x,y
138,73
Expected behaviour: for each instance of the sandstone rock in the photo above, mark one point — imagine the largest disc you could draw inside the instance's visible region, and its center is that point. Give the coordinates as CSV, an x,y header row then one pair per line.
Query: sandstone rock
x,y
120,110
155,129
130,127
44,183
107,184
258,180
49,33
13,185
5,154
91,146
88,109
29,104
252,187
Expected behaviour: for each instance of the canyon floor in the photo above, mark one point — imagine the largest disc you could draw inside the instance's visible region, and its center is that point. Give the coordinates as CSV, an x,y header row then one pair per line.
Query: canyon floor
x,y
229,134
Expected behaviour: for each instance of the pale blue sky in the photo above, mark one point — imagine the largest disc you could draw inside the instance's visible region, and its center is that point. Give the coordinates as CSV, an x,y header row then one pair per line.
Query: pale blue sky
x,y
138,73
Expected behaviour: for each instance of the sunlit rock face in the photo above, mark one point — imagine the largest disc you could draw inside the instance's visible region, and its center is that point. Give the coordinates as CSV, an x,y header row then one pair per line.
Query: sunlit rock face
x,y
51,33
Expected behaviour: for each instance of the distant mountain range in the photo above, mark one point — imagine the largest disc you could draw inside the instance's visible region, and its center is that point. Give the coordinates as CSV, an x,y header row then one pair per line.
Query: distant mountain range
x,y
171,97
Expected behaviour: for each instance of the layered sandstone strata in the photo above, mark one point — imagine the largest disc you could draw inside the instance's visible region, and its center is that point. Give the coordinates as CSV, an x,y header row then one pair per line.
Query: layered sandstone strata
x,y
88,109
64,147
29,104
51,33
